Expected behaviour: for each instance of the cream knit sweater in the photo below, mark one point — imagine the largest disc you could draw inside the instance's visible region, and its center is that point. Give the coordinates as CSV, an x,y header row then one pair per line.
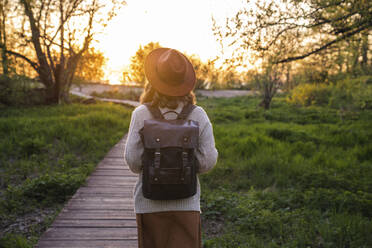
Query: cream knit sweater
x,y
206,155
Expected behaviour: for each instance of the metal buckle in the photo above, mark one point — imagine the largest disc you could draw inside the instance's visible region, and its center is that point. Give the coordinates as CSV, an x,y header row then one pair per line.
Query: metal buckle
x,y
157,159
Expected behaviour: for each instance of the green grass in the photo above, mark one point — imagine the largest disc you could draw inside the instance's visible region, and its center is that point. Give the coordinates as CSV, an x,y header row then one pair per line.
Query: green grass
x,y
289,177
46,153
133,95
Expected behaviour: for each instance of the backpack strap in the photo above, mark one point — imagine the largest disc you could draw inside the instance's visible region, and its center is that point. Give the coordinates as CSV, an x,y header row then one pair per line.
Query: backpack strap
x,y
155,111
170,111
187,109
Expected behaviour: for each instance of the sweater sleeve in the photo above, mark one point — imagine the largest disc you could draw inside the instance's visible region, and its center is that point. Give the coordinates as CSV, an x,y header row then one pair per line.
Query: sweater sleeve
x,y
134,147
206,153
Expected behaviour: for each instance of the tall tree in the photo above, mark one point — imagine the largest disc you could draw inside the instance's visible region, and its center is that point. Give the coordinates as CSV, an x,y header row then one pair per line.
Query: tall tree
x,y
4,11
90,67
291,30
57,34
136,71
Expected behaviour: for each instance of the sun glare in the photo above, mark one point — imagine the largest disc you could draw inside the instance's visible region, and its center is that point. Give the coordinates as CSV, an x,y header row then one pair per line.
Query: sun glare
x,y
113,79
183,25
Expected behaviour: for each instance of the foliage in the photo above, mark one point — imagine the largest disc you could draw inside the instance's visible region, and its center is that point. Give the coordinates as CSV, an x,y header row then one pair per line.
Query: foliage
x,y
346,95
268,84
289,176
14,241
52,36
136,71
90,67
20,90
213,77
208,75
46,153
133,95
310,94
352,94
293,30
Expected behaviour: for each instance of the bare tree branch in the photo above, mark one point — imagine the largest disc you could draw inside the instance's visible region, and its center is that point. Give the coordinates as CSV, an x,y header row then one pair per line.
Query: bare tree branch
x,y
343,37
32,63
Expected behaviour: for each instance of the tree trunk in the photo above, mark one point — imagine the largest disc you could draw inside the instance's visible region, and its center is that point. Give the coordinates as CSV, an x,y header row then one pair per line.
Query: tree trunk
x,y
44,69
4,61
265,103
364,48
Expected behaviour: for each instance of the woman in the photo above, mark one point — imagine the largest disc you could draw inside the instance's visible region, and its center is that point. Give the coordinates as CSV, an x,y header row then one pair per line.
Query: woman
x,y
169,223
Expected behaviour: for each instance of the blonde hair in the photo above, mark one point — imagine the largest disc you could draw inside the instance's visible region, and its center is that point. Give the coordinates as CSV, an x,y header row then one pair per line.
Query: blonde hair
x,y
150,95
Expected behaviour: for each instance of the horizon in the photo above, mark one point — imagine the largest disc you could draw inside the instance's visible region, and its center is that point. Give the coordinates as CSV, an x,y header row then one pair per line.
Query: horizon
x,y
144,21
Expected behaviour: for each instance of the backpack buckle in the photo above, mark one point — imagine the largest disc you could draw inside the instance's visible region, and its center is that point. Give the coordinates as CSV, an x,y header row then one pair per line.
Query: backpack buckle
x,y
185,158
157,156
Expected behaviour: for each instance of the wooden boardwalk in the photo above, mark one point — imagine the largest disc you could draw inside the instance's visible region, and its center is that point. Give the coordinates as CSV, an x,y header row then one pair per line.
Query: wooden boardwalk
x,y
101,213
129,103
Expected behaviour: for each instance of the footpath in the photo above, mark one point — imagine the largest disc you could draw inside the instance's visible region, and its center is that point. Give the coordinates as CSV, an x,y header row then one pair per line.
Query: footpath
x,y
101,213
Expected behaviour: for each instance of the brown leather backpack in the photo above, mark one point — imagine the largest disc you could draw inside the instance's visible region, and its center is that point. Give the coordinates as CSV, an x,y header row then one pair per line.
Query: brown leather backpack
x,y
169,162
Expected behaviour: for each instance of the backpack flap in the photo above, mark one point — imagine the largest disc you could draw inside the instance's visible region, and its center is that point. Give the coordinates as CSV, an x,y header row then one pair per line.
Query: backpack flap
x,y
170,133
170,176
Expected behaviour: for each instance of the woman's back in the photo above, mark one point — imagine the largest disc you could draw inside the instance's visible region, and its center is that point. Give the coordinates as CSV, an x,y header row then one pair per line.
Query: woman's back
x,y
206,155
168,223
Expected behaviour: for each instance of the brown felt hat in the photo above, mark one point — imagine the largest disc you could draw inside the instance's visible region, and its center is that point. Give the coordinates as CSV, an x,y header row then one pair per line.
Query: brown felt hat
x,y
170,72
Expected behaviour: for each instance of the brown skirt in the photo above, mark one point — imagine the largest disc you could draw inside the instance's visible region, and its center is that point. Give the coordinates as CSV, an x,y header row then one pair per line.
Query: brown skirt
x,y
172,229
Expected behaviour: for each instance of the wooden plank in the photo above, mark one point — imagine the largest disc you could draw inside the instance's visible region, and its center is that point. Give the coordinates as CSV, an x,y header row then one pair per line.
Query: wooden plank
x,y
96,183
106,182
88,244
113,162
126,194
101,199
59,222
121,159
110,192
82,233
109,177
119,149
110,195
110,189
115,177
108,172
112,167
113,180
115,154
97,214
117,169
98,204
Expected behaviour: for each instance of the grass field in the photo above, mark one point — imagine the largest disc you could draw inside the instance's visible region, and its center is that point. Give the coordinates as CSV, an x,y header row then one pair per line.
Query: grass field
x,y
287,177
46,153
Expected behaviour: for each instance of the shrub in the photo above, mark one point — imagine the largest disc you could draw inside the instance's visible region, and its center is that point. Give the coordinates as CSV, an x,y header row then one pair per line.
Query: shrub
x,y
347,94
310,94
14,241
133,95
352,94
20,90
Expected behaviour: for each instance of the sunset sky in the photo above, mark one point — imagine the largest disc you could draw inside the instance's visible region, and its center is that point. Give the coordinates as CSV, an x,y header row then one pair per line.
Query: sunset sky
x,y
183,25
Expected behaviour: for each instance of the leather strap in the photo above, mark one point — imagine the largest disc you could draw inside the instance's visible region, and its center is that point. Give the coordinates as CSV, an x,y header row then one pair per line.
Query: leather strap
x,y
157,156
187,109
185,161
170,111
155,111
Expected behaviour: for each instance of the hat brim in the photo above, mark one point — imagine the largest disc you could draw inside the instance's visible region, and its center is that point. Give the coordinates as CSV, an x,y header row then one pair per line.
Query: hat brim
x,y
181,88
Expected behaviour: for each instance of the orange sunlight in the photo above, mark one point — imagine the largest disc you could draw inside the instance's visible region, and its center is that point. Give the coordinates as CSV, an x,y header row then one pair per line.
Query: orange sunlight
x,y
183,25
